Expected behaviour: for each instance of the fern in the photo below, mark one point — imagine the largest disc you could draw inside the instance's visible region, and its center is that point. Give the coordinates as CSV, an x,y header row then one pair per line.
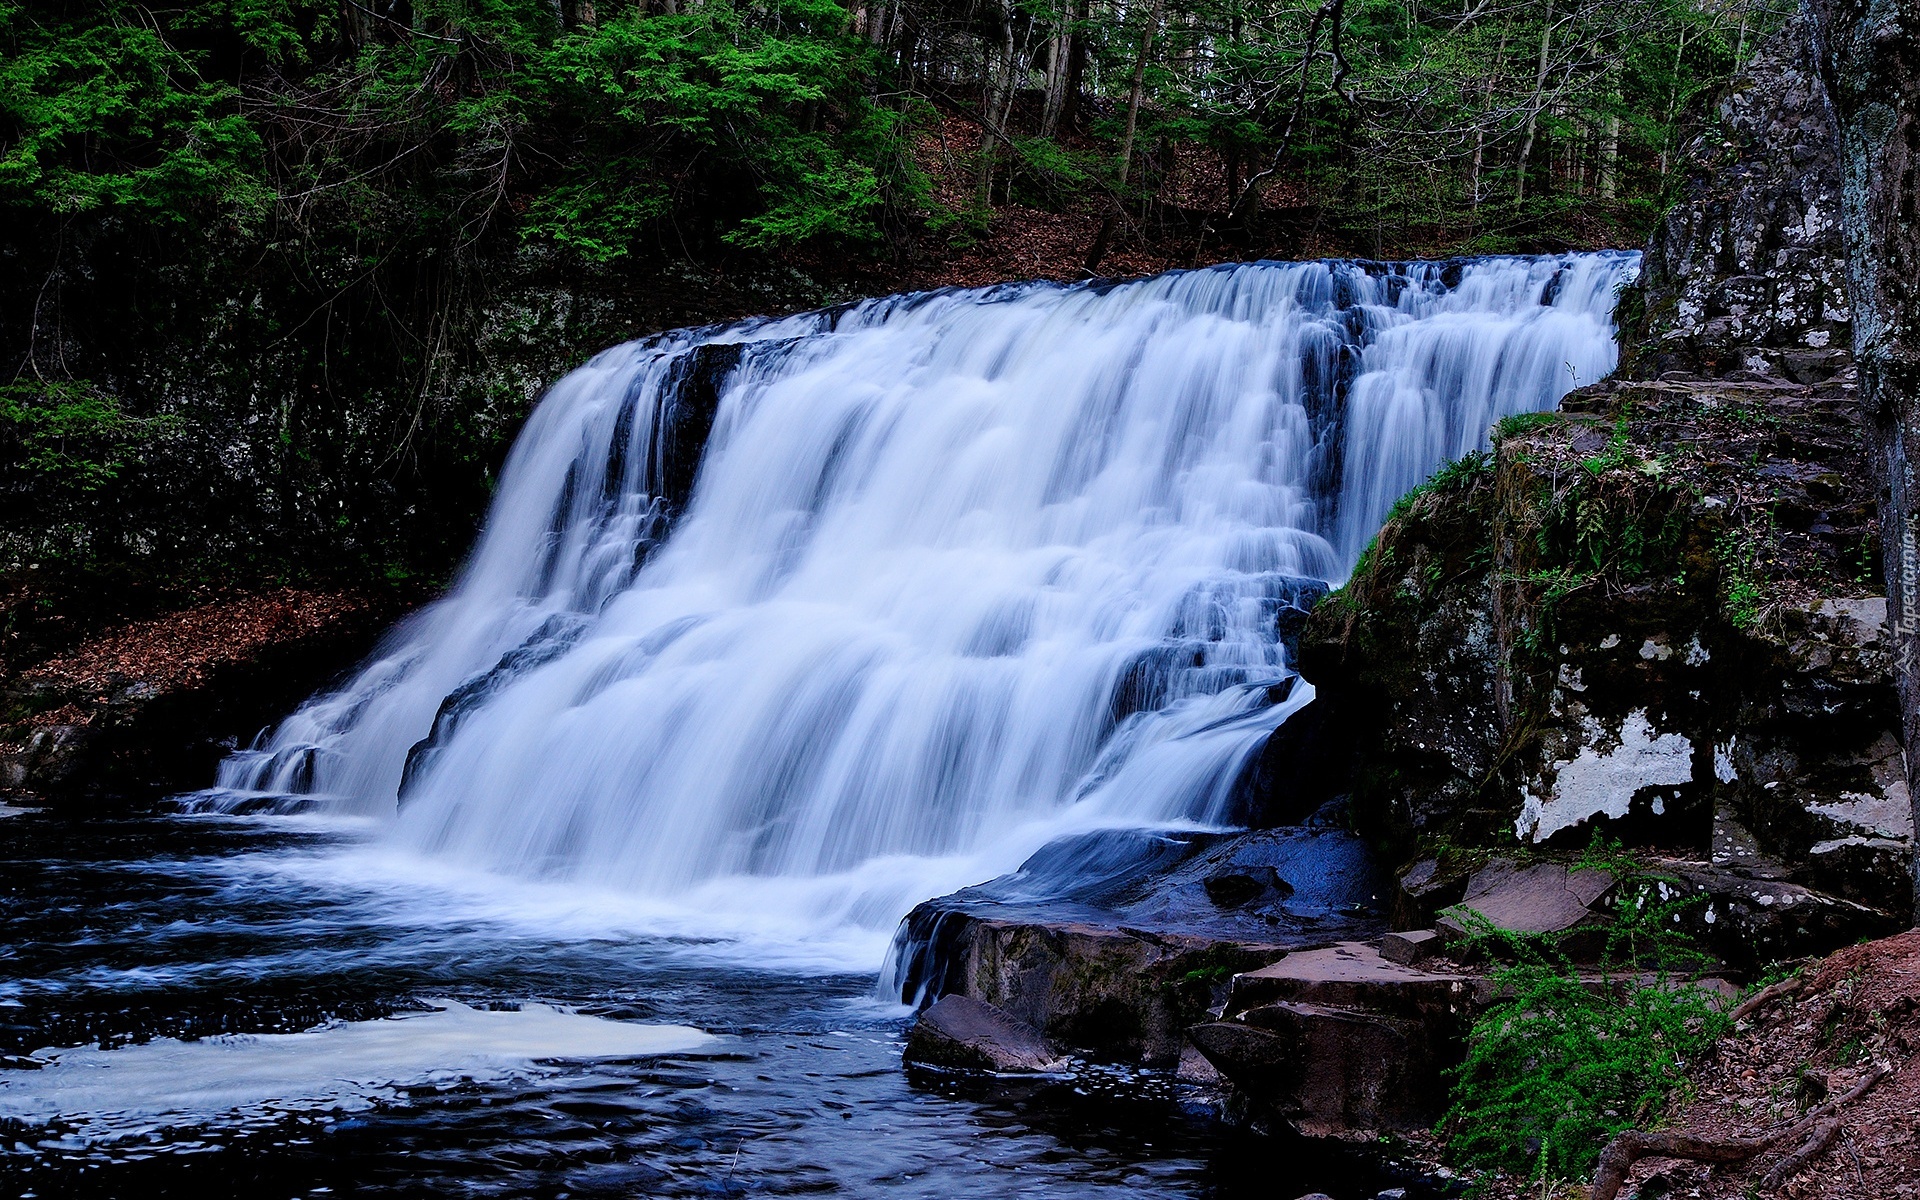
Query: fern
x,y
1567,1057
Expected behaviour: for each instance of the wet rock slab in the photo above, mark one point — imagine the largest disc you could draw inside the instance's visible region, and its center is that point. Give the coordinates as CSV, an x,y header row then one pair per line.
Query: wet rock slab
x,y
1540,898
962,1033
1114,944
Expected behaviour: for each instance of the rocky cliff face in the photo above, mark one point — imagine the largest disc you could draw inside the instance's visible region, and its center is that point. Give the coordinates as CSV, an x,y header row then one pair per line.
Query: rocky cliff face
x,y
1652,618
1656,614
1748,271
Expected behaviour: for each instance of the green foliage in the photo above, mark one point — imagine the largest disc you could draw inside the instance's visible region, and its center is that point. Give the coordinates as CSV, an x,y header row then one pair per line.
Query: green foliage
x,y
288,223
71,462
598,134
1614,519
1462,472
1567,1057
104,111
291,223
1741,593
69,435
1481,124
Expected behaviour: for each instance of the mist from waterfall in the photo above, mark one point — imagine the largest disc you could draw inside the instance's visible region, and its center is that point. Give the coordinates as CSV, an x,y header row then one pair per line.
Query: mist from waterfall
x,y
959,573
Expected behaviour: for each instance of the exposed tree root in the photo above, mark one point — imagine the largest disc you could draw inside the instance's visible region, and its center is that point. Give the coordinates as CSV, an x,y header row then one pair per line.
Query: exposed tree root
x,y
1760,999
1815,1131
1819,1139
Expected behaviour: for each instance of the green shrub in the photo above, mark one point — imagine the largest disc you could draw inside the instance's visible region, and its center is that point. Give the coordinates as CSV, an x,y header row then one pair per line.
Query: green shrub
x,y
1567,1058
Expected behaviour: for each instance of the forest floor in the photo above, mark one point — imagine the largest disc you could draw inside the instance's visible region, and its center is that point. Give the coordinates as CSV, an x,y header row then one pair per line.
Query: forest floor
x,y
1857,1008
1853,1011
181,649
1023,242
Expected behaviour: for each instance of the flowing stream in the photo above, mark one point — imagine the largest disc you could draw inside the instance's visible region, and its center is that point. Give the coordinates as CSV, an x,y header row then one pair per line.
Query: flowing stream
x,y
775,630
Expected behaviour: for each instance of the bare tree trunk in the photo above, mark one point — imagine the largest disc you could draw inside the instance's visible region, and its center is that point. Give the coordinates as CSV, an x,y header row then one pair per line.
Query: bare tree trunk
x,y
1133,93
1533,108
881,32
1609,181
1076,63
996,94
1486,101
1610,158
1869,54
1673,105
1059,53
356,25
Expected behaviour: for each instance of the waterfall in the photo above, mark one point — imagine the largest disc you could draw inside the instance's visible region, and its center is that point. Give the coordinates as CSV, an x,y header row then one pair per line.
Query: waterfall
x,y
830,614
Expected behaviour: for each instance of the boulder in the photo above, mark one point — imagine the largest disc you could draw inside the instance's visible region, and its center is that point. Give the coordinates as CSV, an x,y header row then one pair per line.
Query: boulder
x,y
1541,898
1113,944
961,1033
1114,994
1410,946
1331,1071
1341,1041
1422,891
1356,976
1750,922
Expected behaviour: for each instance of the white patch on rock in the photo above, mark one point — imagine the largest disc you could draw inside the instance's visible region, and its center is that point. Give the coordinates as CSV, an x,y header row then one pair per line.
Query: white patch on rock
x,y
1696,653
1652,650
1818,338
1885,815
1859,622
1844,843
1723,763
1610,641
1596,782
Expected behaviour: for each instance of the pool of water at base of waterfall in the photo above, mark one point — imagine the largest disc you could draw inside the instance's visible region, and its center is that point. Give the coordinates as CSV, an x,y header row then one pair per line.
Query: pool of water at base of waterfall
x,y
223,1007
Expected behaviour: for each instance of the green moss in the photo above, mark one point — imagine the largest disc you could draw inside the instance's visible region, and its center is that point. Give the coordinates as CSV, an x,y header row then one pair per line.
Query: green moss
x,y
1521,423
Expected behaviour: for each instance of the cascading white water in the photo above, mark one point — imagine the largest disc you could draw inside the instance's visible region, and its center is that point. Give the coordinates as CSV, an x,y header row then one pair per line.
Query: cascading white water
x,y
960,572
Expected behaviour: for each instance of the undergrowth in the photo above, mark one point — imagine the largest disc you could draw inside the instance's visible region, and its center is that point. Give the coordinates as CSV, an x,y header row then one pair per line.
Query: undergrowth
x,y
1742,595
1568,1057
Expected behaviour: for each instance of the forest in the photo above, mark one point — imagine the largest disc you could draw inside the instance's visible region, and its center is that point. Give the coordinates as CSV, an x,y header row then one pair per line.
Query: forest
x,y
282,278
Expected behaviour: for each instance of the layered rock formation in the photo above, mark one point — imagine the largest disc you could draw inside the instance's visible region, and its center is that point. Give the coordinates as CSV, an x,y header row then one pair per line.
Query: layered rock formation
x,y
1647,620
1657,615
1748,271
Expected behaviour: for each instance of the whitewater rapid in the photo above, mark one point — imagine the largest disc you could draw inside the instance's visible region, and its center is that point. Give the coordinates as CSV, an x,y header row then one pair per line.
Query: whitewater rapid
x,y
806,620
